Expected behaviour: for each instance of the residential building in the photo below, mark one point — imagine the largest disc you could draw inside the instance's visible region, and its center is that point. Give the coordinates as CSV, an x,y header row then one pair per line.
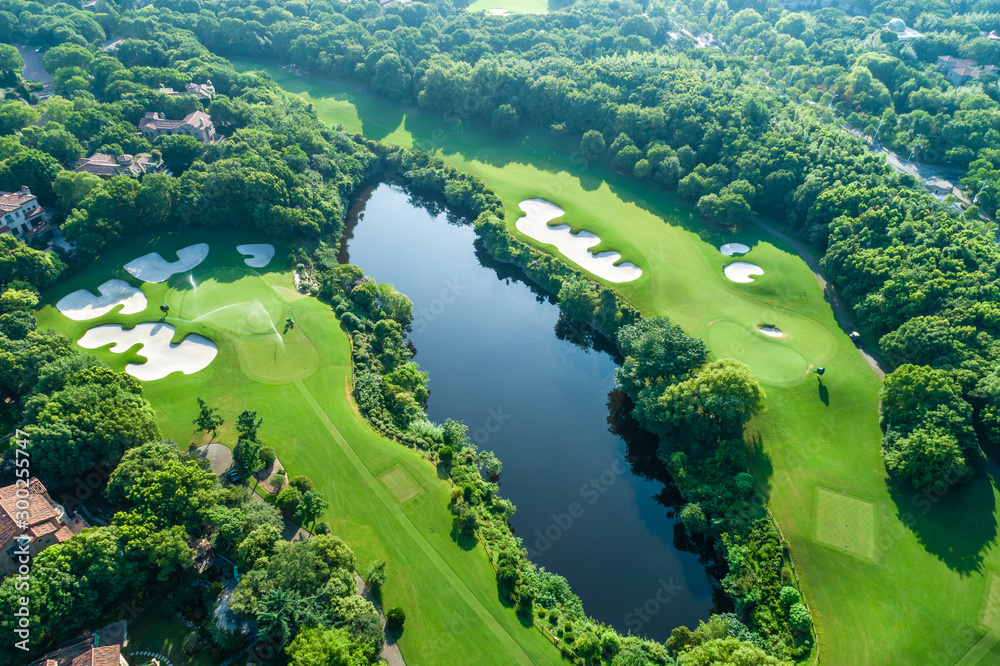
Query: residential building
x,y
107,655
45,525
947,63
21,215
197,124
108,166
202,91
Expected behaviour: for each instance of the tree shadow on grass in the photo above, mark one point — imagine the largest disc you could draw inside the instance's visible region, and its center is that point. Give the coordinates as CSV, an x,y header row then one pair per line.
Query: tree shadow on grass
x,y
956,524
761,466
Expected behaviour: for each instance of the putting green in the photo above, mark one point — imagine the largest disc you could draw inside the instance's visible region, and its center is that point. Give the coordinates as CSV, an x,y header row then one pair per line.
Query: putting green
x,y
271,350
917,604
773,360
387,501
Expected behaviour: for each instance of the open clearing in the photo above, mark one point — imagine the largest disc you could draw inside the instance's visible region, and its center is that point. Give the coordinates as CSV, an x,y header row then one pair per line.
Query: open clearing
x,y
845,522
917,604
387,501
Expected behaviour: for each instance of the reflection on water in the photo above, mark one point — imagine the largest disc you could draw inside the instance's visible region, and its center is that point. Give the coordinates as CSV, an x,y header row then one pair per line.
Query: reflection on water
x,y
594,503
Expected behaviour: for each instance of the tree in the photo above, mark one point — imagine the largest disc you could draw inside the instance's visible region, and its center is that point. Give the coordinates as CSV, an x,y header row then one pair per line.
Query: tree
x,y
208,418
311,507
325,647
656,350
693,519
395,617
505,118
15,116
288,501
179,151
10,59
592,145
798,614
67,55
446,454
928,458
375,575
714,404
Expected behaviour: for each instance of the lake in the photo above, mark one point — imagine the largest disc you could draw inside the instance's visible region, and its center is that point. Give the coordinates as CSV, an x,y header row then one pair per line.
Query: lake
x,y
592,499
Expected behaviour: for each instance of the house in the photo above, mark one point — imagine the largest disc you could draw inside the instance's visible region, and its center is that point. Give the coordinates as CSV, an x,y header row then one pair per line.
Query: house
x,y
107,166
947,63
202,91
21,215
898,26
95,648
107,655
197,124
992,35
46,524
960,75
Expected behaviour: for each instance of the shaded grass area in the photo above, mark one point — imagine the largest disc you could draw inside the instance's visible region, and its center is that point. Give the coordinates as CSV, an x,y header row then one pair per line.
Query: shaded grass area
x,y
918,600
448,589
152,631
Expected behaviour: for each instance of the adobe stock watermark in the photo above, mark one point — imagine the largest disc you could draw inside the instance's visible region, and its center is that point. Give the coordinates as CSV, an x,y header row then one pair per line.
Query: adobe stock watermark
x,y
495,419
21,554
637,618
590,492
428,314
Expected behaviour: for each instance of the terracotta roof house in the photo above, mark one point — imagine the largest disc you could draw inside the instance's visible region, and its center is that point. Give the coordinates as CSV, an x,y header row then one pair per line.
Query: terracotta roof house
x,y
107,166
21,216
31,529
108,655
197,124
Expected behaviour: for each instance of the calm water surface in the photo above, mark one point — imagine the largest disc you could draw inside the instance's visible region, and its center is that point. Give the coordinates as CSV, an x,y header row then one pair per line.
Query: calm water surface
x,y
591,502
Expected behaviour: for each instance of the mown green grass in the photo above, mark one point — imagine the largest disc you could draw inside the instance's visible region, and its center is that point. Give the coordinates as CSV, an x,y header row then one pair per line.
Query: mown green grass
x,y
919,598
446,586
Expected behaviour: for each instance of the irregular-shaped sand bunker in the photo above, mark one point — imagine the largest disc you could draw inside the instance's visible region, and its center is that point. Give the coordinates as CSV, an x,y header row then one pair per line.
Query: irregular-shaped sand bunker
x,y
742,271
81,304
729,249
260,254
154,268
194,352
575,247
772,331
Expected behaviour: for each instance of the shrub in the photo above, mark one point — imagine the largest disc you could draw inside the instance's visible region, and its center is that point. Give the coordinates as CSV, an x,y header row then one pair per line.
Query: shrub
x,y
446,454
375,575
394,618
193,643
798,614
301,482
322,528
789,596
288,501
693,519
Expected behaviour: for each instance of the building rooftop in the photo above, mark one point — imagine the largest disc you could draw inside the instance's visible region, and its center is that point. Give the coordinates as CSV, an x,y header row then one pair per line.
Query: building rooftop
x,y
107,655
11,201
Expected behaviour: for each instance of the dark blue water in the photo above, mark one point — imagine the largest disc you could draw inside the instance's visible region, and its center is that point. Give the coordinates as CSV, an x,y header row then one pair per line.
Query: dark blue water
x,y
591,503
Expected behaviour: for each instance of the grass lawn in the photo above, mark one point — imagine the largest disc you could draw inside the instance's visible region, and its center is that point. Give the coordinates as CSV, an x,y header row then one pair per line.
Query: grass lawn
x,y
910,586
152,631
387,501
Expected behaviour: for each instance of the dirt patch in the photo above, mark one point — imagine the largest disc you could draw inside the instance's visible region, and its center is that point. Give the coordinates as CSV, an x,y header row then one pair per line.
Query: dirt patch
x,y
269,481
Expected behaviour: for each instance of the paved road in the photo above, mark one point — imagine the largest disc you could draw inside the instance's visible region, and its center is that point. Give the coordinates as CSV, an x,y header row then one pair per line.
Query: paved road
x,y
33,69
840,310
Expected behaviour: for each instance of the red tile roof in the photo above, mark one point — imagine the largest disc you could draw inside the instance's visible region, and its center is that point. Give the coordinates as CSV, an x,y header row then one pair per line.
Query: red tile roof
x,y
107,655
40,510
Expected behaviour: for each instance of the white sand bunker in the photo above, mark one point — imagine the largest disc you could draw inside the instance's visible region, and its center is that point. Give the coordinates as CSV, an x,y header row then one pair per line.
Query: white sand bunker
x,y
82,304
499,12
729,249
194,352
772,331
260,254
741,271
575,247
154,268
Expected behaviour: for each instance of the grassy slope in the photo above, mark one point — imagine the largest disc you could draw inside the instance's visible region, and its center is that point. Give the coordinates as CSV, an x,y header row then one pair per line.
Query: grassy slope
x,y
919,599
446,587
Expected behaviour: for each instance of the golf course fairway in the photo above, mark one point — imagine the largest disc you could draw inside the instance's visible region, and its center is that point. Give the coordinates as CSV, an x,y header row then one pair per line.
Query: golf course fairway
x,y
891,577
298,385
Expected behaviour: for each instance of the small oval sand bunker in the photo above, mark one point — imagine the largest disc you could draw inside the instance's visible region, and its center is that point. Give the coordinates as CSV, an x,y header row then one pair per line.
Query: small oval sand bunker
x,y
742,271
575,247
771,331
729,249
154,268
260,254
163,357
82,305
